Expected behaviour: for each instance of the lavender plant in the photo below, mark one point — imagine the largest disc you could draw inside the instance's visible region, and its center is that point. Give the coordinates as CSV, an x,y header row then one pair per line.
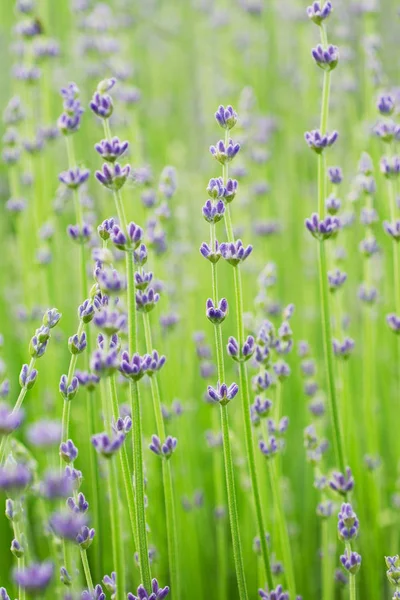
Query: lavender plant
x,y
147,452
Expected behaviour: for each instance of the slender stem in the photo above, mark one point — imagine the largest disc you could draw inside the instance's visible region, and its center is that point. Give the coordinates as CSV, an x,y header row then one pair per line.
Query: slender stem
x,y
86,569
116,531
124,463
144,564
20,560
328,355
327,571
282,526
396,246
16,408
232,505
172,531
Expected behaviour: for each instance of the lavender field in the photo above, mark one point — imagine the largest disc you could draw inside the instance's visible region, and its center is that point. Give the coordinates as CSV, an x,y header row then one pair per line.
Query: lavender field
x,y
199,300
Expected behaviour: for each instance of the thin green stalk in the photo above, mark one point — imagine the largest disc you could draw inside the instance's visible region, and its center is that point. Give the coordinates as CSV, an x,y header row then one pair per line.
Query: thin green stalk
x,y
124,462
282,526
328,355
116,531
172,530
232,505
20,560
327,571
396,246
86,569
16,408
352,578
229,473
144,564
244,387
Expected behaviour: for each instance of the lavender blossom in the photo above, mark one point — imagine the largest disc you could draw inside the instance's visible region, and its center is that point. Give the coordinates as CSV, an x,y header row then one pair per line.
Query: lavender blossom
x,y
318,12
351,561
318,141
35,577
392,229
110,150
222,393
235,252
75,177
44,433
348,523
211,254
224,154
342,483
107,446
226,117
326,59
10,420
157,593
113,176
216,314
322,229
245,352
67,525
166,449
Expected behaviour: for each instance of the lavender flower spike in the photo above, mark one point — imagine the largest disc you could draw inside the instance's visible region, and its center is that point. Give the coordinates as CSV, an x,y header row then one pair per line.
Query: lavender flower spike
x,y
110,150
276,594
113,176
157,593
9,420
318,141
222,393
164,450
74,177
351,561
241,354
216,314
392,229
348,523
326,59
342,483
224,154
226,117
385,104
35,577
394,322
107,446
235,252
318,12
322,229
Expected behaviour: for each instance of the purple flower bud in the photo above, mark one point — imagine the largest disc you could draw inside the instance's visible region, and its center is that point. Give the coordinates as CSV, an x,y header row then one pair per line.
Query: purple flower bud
x,y
133,368
153,362
327,59
336,279
269,449
107,446
394,322
74,177
342,483
17,549
67,525
390,166
226,117
164,450
322,229
351,561
146,300
369,246
224,154
140,256
85,537
79,504
276,594
213,255
105,228
110,583
113,176
55,485
15,477
110,281
68,389
156,592
235,252
104,362
76,344
281,370
222,393
102,105
348,523
44,433
110,150
86,311
213,212
27,377
68,451
10,420
333,205
262,381
241,354
216,314
35,577
386,104
335,175
343,349
78,234
318,12
387,131
318,141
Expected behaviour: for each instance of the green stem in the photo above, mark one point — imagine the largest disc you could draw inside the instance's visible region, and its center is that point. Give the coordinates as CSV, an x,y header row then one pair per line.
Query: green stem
x,y
144,564
86,569
327,571
172,530
116,531
16,408
232,505
124,463
328,355
282,526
